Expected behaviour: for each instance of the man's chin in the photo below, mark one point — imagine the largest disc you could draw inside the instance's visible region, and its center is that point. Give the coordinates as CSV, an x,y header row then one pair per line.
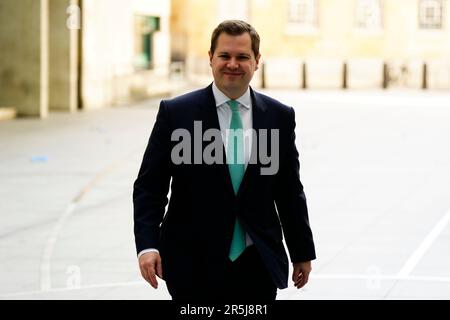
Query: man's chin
x,y
236,88
232,86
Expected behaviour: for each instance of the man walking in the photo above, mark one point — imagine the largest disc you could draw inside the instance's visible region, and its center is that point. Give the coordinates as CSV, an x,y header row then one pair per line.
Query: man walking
x,y
222,235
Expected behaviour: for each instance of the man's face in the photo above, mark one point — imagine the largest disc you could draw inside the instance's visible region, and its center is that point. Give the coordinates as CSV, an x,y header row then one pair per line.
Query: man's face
x,y
233,63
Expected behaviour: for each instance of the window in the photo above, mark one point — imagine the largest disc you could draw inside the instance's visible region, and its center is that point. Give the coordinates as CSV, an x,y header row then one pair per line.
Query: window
x,y
303,13
145,27
431,14
369,15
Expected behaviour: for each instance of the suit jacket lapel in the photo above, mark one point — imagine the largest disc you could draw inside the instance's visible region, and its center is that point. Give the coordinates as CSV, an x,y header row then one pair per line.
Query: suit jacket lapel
x,y
210,120
207,111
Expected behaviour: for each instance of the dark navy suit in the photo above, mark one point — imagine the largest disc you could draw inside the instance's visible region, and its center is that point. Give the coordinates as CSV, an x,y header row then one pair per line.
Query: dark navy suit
x,y
195,233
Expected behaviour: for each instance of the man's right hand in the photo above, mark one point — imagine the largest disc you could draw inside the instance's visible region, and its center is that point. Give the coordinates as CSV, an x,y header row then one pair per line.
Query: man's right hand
x,y
150,264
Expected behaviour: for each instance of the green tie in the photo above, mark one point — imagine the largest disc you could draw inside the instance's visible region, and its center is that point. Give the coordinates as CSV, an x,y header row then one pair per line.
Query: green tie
x,y
236,166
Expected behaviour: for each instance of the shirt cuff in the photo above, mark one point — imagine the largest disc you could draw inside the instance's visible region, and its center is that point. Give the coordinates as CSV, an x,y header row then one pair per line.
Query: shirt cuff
x,y
146,251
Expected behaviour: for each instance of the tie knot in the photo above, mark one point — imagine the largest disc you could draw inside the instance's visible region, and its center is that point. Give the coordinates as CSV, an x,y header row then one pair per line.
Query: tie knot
x,y
234,105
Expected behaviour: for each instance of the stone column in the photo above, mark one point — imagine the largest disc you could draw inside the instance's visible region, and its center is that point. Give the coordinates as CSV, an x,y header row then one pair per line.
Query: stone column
x,y
24,56
65,22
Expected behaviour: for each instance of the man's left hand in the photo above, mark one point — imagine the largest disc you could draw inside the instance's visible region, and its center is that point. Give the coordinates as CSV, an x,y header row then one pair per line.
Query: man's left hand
x,y
301,273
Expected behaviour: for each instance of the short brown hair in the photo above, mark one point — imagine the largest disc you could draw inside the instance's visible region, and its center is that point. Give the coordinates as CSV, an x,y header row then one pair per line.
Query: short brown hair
x,y
235,28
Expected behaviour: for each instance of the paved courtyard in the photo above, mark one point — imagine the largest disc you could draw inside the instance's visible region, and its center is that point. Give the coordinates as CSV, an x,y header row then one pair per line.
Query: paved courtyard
x,y
376,171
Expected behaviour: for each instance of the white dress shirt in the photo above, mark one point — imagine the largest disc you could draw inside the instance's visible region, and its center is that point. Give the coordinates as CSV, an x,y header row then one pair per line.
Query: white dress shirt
x,y
224,114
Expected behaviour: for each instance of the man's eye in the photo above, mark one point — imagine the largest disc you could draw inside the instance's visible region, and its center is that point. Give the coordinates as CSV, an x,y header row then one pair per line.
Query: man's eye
x,y
223,56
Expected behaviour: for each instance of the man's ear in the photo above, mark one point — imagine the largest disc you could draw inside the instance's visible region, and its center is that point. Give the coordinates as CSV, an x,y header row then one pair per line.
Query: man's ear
x,y
210,56
257,61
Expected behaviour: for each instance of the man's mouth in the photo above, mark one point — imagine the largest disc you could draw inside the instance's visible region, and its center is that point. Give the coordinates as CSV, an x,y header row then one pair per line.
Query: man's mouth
x,y
232,74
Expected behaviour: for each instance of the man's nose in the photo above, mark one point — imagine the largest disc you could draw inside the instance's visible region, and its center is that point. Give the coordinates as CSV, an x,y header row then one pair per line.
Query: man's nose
x,y
232,64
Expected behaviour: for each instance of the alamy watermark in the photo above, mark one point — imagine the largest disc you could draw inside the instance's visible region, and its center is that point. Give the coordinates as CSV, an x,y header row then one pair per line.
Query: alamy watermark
x,y
74,279
374,278
74,20
213,152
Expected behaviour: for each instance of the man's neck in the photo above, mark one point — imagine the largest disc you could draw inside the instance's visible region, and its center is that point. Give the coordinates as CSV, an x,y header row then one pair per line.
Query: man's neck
x,y
233,94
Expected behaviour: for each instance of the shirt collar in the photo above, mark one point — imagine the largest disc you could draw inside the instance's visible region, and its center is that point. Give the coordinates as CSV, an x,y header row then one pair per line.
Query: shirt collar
x,y
221,98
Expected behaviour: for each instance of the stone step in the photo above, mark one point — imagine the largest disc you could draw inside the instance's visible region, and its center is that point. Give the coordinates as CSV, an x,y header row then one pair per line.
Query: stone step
x,y
7,113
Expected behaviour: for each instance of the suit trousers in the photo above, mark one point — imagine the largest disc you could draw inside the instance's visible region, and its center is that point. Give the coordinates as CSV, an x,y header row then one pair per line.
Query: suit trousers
x,y
246,280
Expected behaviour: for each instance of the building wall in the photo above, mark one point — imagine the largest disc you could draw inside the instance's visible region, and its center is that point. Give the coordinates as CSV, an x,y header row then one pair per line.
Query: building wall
x,y
108,73
190,23
40,58
400,43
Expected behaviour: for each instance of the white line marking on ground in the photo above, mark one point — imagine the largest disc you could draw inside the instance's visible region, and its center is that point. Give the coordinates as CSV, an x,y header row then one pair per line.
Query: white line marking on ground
x,y
87,287
424,246
46,283
45,268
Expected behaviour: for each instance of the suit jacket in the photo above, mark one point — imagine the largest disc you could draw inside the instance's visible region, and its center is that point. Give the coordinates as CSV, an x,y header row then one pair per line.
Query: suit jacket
x,y
195,233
